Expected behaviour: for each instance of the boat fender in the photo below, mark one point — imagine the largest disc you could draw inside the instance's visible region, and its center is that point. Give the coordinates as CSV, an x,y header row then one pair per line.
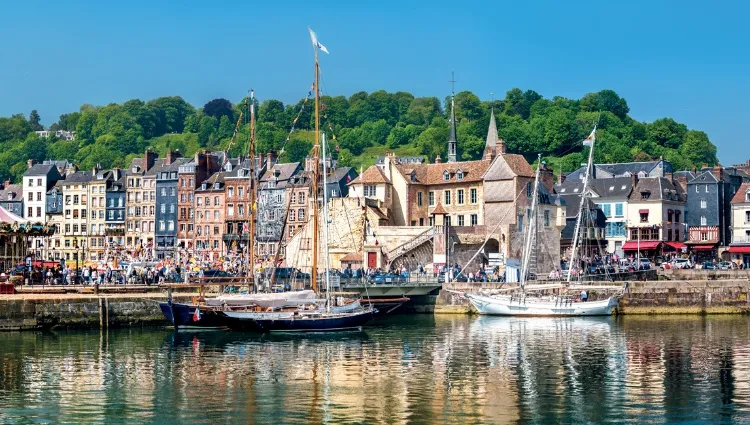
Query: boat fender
x,y
269,309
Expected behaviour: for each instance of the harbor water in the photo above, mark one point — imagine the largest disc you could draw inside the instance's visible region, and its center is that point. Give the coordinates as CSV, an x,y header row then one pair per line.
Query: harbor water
x,y
401,370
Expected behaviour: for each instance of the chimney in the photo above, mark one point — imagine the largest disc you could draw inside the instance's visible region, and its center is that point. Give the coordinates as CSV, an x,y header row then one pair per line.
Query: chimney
x,y
718,171
437,159
71,170
95,170
561,178
172,155
149,159
31,162
6,184
270,159
116,173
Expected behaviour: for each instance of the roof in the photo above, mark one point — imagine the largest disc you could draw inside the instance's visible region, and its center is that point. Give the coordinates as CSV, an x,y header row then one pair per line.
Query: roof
x,y
573,205
659,189
618,187
15,189
373,175
217,177
739,197
39,170
162,166
339,174
623,169
439,210
286,171
507,166
79,177
352,257
427,174
492,137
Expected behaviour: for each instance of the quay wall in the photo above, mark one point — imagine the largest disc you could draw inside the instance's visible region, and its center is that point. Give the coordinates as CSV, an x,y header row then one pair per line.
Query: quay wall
x,y
27,312
647,297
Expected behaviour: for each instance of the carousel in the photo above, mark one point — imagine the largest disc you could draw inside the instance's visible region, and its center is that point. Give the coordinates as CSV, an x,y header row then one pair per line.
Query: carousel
x,y
15,232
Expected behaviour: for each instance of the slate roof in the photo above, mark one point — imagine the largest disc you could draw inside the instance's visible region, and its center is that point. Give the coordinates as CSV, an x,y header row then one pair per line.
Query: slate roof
x,y
373,175
622,169
339,174
217,177
739,197
15,189
162,166
286,170
618,187
79,177
659,189
39,170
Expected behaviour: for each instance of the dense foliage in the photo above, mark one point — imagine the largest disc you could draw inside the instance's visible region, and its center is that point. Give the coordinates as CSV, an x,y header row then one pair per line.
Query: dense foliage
x,y
358,128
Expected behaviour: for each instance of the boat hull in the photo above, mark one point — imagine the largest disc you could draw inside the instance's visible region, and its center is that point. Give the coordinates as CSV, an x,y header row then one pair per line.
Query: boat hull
x,y
301,323
505,305
183,316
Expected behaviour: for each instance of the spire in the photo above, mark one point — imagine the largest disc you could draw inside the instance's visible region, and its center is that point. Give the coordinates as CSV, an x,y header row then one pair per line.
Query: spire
x,y
490,146
452,138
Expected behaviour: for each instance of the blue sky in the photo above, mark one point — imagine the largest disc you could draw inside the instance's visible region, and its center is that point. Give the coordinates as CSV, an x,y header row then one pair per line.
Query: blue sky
x,y
686,59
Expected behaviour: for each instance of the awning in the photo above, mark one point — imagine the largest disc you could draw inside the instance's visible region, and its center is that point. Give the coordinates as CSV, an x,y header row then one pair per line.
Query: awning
x,y
702,247
642,211
739,249
643,245
676,245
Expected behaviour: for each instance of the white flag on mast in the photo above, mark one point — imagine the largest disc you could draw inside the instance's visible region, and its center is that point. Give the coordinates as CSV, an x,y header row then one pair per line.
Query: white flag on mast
x,y
315,41
590,140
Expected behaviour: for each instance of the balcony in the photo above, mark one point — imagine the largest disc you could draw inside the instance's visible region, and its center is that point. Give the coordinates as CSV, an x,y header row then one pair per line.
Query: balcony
x,y
741,240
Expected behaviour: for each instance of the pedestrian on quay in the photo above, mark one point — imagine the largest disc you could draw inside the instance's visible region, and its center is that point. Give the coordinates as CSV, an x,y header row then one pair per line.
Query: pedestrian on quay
x,y
584,296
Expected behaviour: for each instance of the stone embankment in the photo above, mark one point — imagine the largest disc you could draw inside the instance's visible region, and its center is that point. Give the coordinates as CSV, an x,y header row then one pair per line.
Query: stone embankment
x,y
49,311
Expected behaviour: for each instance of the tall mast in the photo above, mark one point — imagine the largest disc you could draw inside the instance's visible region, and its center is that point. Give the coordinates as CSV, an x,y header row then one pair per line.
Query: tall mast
x,y
532,223
325,227
576,234
250,260
316,160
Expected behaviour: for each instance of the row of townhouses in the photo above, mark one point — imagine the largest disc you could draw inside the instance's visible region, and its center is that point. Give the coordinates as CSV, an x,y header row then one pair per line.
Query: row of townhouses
x,y
201,206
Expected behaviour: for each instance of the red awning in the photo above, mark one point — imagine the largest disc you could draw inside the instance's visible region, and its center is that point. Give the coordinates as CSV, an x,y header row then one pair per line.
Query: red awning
x,y
702,247
643,245
642,211
739,249
676,245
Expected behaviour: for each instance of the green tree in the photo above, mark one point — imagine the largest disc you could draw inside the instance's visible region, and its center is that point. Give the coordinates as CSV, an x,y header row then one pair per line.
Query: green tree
x,y
34,119
297,150
605,100
207,129
697,149
667,132
346,158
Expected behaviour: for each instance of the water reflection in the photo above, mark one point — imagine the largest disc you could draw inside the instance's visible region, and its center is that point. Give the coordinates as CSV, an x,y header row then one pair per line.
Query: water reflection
x,y
407,370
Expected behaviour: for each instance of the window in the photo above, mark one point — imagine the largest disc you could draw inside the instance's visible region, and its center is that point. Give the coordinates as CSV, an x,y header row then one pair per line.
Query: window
x,y
31,196
301,196
301,214
677,216
696,189
31,182
230,192
163,191
447,197
460,175
616,229
747,217
607,209
704,236
75,228
460,220
216,200
460,197
529,190
419,199
520,223
163,208
706,188
446,176
618,210
677,234
432,221
473,196
241,210
67,230
369,191
447,220
474,220
546,218
703,221
38,211
39,196
199,201
704,203
644,216
292,215
230,210
669,234
431,198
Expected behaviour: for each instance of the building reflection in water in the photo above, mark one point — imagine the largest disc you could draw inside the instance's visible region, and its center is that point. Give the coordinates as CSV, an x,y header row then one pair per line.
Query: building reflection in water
x,y
406,370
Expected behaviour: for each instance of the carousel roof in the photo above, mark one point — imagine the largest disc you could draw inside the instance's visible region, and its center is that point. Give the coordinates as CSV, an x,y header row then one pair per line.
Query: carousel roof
x,y
10,218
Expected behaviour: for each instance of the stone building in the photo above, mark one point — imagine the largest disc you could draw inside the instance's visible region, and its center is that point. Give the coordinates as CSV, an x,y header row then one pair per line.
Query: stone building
x,y
166,171
739,250
709,209
140,198
115,212
190,176
209,217
273,199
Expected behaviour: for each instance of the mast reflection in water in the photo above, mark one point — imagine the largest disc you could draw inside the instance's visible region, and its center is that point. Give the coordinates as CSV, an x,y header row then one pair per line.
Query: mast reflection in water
x,y
449,370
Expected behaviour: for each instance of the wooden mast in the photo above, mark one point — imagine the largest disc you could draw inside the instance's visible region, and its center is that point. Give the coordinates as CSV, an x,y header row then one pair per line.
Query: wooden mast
x,y
251,195
316,160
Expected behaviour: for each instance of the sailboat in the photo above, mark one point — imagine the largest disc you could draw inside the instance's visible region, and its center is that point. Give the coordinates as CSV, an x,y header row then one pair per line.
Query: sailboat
x,y
309,317
535,300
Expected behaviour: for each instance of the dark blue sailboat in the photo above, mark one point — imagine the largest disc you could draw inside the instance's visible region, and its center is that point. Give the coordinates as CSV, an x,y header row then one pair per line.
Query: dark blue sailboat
x,y
299,322
191,316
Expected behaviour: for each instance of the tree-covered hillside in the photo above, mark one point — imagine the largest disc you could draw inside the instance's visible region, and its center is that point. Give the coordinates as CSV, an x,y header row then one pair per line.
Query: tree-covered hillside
x,y
359,128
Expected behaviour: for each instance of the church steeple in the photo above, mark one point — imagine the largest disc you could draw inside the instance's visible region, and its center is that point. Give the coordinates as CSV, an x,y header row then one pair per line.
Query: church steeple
x,y
452,139
490,145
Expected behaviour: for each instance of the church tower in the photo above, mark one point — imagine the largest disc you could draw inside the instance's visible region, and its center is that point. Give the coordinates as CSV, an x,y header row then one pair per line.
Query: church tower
x,y
493,146
452,139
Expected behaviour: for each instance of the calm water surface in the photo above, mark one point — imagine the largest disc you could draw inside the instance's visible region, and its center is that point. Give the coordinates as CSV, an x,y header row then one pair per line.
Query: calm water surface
x,y
404,370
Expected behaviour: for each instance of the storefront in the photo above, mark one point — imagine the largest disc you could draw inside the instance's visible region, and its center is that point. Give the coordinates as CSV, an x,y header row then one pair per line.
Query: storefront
x,y
740,254
642,249
703,252
673,249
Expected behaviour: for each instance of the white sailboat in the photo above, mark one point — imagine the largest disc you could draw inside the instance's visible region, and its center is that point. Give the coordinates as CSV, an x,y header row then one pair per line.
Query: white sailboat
x,y
525,300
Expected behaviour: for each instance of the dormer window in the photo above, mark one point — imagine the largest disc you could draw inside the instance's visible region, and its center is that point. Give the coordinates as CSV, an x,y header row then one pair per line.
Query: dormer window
x,y
413,176
446,176
747,196
203,186
611,188
216,185
459,175
646,194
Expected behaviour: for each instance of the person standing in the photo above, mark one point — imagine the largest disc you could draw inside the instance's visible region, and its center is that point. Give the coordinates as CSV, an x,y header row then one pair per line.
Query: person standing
x,y
584,296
